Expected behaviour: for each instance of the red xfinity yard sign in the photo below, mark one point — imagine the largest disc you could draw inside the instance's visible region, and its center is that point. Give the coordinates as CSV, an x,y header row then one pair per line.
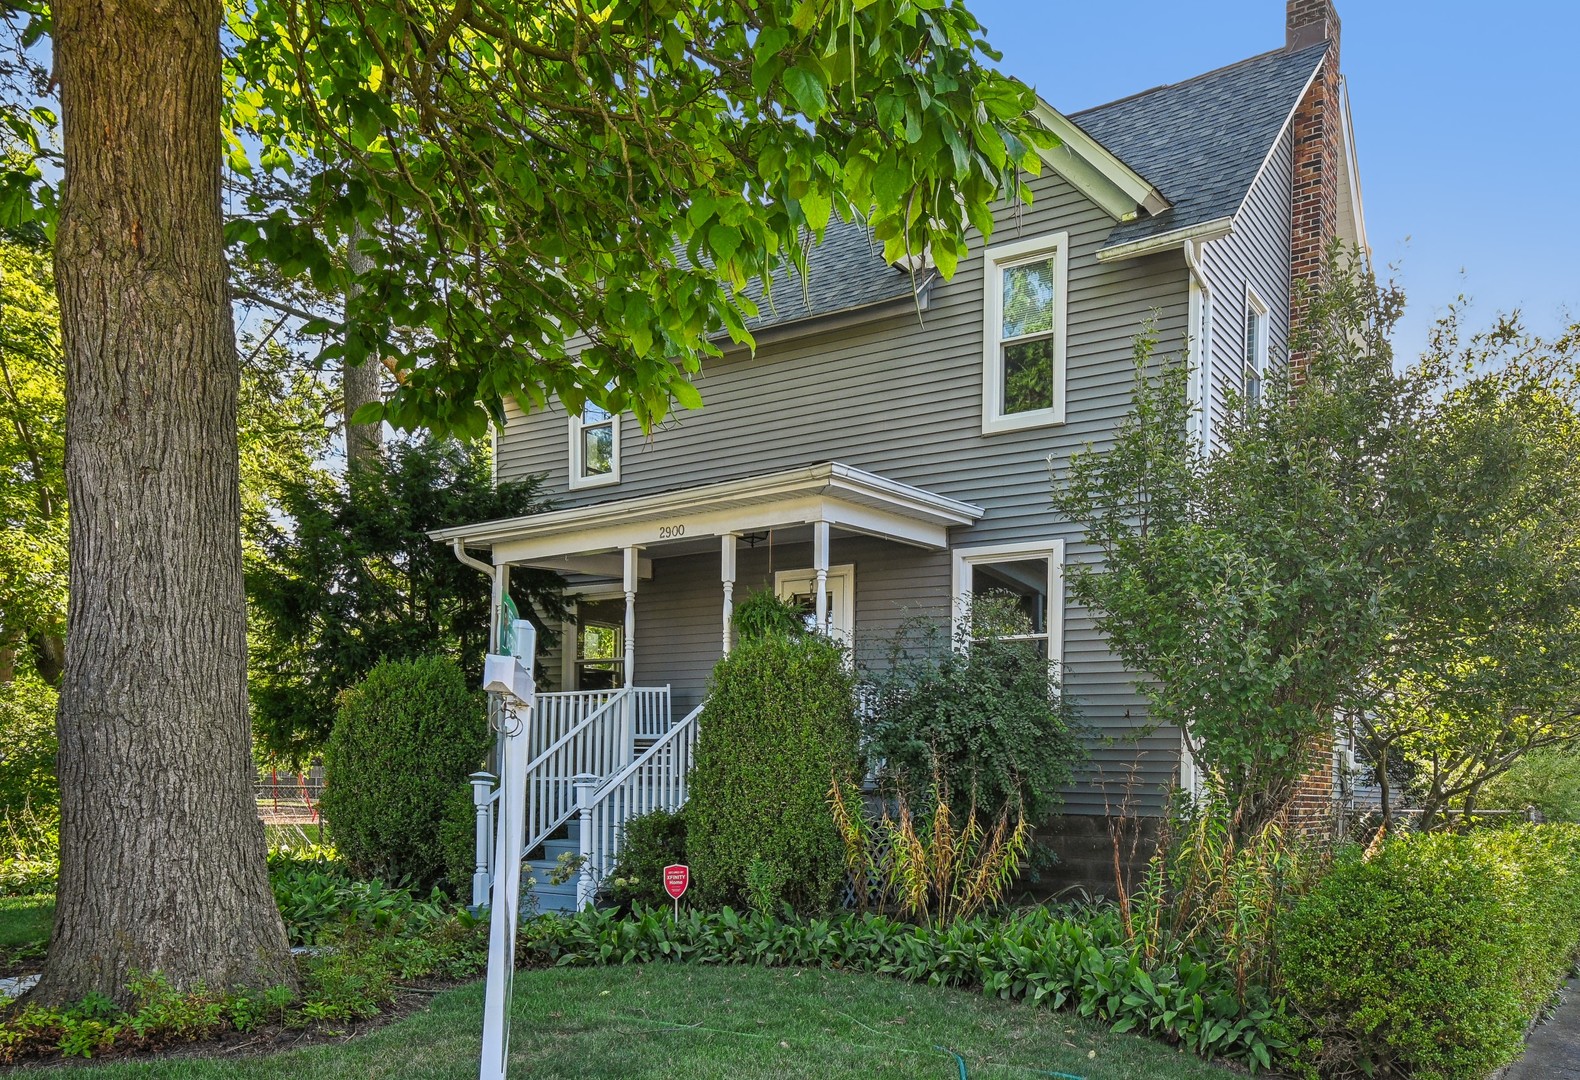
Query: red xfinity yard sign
x,y
676,878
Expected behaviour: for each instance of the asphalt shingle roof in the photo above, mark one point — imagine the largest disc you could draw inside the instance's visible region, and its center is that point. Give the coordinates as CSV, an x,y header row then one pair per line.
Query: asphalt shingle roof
x,y
846,271
1202,141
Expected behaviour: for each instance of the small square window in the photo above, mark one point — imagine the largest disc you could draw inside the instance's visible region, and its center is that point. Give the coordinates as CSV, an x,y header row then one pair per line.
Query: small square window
x,y
1029,577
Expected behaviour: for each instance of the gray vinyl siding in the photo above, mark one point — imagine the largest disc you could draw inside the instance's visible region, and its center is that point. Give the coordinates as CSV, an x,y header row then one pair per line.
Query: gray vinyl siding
x,y
679,623
901,396
1256,254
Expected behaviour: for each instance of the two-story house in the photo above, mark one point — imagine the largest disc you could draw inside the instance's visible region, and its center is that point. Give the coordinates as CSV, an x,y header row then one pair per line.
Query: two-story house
x,y
889,448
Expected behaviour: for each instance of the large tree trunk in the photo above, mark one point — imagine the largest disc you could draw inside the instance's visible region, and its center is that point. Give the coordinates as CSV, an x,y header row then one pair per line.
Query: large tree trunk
x,y
162,865
359,384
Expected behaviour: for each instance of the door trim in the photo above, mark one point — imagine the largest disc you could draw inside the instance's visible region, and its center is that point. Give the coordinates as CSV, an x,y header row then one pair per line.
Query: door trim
x,y
845,599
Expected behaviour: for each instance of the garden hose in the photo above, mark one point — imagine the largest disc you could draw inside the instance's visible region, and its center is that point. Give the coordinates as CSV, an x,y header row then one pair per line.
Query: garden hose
x,y
960,1061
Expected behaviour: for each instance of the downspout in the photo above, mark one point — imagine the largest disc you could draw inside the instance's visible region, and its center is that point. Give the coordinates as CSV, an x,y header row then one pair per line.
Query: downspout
x,y
459,547
1200,314
1201,337
496,752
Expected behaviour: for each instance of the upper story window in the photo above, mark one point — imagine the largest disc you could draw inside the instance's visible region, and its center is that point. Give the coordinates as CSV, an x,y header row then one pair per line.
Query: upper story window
x,y
1255,349
595,447
1023,333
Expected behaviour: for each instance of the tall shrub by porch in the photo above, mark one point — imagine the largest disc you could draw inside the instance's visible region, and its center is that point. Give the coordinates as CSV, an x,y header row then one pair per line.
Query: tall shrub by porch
x,y
779,725
406,738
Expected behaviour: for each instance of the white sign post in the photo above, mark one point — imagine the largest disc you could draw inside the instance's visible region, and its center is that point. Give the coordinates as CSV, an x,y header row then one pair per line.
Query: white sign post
x,y
511,678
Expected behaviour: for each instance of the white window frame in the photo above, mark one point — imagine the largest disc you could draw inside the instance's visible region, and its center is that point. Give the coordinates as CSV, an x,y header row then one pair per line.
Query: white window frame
x,y
1052,550
997,259
1255,308
570,628
578,476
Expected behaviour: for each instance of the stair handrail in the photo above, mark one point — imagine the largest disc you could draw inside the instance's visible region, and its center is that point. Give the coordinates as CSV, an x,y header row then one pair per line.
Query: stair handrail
x,y
600,828
598,756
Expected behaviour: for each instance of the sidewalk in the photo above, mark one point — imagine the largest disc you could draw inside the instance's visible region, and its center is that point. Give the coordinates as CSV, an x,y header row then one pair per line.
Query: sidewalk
x,y
1553,1052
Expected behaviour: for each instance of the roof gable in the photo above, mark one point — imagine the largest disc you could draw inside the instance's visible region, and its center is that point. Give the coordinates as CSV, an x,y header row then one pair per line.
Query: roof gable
x,y
1203,141
1092,169
1175,159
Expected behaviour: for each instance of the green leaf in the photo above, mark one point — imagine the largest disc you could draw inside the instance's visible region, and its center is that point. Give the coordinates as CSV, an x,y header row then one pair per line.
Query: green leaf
x,y
369,413
806,89
686,394
818,207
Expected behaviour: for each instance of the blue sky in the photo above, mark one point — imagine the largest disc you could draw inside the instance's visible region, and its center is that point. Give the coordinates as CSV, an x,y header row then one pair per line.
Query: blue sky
x,y
1467,125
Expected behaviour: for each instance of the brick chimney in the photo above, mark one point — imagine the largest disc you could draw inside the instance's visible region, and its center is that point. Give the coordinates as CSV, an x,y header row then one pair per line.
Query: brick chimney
x,y
1318,149
1310,22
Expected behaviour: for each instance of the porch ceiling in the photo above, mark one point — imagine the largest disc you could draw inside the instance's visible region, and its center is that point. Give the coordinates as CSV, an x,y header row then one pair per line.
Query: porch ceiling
x,y
846,498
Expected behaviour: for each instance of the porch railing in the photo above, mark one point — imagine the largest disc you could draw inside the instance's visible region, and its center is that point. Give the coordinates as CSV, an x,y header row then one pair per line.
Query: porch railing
x,y
555,714
655,780
575,734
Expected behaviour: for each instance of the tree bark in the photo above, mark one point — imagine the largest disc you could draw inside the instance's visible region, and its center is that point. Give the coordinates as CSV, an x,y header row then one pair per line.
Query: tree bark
x,y
359,384
162,854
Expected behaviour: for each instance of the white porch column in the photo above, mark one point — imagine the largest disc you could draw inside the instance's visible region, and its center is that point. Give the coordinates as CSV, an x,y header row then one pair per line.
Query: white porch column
x,y
627,730
727,578
632,564
820,572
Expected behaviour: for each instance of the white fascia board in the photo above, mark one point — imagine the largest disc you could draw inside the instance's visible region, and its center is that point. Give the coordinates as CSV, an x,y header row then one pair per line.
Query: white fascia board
x,y
1351,209
828,492
1150,245
1121,191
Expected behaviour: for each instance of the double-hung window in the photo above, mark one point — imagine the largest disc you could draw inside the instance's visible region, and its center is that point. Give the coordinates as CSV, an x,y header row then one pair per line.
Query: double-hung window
x,y
1028,578
1023,334
1255,350
595,447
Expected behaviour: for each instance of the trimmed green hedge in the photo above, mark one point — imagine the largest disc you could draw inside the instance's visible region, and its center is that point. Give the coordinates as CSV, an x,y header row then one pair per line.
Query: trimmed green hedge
x,y
1431,957
407,737
1040,956
778,726
650,842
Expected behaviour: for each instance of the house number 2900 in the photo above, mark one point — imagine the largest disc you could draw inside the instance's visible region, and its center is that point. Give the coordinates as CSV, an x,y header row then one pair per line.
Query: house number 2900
x,y
671,532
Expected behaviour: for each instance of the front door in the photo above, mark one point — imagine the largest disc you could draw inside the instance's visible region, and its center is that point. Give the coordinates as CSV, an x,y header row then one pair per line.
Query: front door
x,y
797,587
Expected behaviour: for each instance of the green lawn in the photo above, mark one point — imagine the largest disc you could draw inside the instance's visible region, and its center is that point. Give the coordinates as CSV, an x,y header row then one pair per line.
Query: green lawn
x,y
702,1022
24,927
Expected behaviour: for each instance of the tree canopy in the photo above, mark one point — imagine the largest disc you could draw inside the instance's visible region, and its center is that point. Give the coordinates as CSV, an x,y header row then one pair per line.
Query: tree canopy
x,y
32,474
571,200
1389,547
555,200
345,576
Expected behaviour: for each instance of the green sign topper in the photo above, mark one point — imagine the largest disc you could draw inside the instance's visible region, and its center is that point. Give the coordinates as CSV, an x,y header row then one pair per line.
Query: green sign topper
x,y
507,626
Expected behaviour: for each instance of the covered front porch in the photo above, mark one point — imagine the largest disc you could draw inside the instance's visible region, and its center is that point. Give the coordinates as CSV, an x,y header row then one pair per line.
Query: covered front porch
x,y
799,531
653,582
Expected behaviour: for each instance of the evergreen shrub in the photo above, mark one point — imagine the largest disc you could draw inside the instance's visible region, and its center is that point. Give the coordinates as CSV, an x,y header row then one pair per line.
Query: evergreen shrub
x,y
405,741
1429,955
778,728
650,842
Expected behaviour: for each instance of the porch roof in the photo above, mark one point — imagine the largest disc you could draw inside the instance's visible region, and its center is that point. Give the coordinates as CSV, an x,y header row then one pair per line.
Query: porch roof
x,y
843,497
